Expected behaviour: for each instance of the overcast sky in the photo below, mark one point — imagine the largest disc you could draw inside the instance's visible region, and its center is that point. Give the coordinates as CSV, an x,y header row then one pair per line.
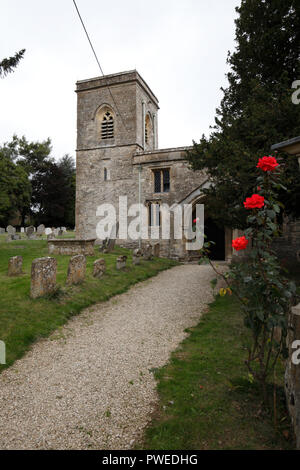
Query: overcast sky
x,y
178,46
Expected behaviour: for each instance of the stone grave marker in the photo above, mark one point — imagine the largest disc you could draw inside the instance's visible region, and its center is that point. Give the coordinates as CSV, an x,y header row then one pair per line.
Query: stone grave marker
x,y
136,256
15,266
76,270
10,230
43,276
99,268
121,262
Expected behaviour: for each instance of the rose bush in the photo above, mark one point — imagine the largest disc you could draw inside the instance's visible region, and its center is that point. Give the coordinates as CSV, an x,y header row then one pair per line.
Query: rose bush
x,y
264,293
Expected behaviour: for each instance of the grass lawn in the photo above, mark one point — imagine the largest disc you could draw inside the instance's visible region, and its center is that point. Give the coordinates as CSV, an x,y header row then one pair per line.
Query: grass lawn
x,y
24,320
206,399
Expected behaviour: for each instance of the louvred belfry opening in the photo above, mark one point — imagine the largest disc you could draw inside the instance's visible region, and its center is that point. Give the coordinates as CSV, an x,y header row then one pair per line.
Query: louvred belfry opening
x,y
107,126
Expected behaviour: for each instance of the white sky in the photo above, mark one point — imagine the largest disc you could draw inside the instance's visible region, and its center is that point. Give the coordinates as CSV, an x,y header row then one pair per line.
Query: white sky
x,y
178,46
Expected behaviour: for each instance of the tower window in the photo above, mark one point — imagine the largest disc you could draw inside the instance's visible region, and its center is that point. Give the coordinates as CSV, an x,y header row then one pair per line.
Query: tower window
x,y
107,126
105,174
147,129
162,180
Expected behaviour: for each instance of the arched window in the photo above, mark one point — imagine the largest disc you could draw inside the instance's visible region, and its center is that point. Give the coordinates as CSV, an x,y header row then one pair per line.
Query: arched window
x,y
147,128
107,126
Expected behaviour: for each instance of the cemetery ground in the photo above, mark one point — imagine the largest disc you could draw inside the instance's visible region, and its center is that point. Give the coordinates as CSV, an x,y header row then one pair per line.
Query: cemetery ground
x,y
24,320
205,398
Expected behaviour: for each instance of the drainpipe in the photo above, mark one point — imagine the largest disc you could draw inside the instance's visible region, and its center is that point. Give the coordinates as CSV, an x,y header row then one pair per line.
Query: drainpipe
x,y
144,117
140,200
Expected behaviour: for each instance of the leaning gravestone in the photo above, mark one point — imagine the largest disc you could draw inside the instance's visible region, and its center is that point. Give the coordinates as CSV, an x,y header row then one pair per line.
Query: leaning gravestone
x,y
99,268
121,262
10,230
15,266
76,270
43,276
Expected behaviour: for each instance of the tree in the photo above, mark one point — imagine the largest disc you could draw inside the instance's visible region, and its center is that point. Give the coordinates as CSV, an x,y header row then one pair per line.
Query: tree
x,y
8,65
52,183
256,110
15,189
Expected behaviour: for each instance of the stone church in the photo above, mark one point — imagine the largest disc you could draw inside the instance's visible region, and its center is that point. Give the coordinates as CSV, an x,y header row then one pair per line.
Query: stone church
x,y
118,155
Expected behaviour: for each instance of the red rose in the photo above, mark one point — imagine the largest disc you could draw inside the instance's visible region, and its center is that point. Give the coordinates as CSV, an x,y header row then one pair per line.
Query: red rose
x,y
240,243
267,163
255,201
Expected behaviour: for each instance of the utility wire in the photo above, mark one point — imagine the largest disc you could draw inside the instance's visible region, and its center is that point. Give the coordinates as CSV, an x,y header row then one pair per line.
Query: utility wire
x,y
99,65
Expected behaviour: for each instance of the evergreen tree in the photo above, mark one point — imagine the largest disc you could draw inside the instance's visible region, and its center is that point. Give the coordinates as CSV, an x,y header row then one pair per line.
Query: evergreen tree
x,y
8,65
256,110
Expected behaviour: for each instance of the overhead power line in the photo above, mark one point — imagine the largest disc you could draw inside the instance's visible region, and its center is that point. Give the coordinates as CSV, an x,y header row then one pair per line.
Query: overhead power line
x,y
98,62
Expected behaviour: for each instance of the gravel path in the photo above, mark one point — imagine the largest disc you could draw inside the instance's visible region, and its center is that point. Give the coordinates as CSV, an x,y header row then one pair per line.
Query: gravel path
x,y
90,385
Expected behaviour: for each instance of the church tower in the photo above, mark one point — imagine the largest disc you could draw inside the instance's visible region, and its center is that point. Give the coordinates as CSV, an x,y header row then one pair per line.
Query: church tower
x,y
116,118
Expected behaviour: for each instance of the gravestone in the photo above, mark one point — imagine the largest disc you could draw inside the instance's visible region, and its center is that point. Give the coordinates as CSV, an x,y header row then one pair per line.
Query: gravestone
x,y
64,229
15,266
147,252
16,236
48,230
2,230
41,229
29,231
60,232
10,230
110,243
99,268
121,262
76,270
43,277
136,256
56,232
156,250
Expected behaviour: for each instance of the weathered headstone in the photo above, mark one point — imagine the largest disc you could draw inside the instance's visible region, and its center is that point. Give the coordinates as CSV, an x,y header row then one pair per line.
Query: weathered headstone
x,y
43,276
121,262
48,230
29,231
64,229
147,252
99,268
15,266
156,250
76,270
10,230
56,232
136,256
16,236
41,229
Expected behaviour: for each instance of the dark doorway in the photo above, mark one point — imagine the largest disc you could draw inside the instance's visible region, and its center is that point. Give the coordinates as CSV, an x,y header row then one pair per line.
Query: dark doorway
x,y
215,234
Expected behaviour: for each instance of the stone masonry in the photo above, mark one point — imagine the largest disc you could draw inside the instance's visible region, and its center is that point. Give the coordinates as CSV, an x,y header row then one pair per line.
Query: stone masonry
x,y
109,166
